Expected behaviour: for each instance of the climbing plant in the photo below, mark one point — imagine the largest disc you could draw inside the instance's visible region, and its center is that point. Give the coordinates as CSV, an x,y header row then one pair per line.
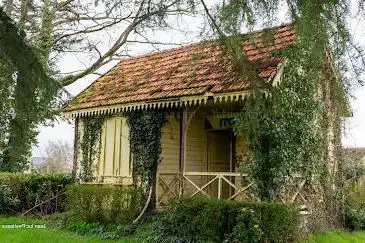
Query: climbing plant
x,y
288,130
145,135
90,146
285,130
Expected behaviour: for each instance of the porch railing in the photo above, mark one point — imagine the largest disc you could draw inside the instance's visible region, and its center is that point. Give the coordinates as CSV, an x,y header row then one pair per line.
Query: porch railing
x,y
220,177
227,185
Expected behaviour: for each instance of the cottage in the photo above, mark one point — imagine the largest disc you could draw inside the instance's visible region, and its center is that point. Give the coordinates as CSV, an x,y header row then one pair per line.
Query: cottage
x,y
195,87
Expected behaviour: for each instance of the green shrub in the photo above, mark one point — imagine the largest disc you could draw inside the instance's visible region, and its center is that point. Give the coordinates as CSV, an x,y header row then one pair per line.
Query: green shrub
x,y
353,170
7,200
354,218
247,228
102,231
354,210
209,220
104,204
23,191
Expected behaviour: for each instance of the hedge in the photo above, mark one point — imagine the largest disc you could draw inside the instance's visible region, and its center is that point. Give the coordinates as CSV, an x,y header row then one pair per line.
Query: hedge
x,y
354,210
20,192
104,203
212,220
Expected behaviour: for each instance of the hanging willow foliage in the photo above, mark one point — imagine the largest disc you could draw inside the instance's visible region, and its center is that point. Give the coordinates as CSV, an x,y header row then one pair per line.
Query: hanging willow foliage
x,y
28,95
285,131
288,132
326,20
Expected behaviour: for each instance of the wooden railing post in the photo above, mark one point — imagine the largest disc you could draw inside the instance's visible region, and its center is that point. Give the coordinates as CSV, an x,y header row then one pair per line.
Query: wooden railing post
x,y
219,187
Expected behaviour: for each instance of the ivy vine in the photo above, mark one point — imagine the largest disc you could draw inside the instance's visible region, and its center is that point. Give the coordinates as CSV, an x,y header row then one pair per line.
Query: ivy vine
x,y
287,132
90,146
145,143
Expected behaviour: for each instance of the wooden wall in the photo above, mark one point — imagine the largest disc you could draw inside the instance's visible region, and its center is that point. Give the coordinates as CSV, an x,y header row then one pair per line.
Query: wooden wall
x,y
114,163
196,145
196,141
78,139
170,144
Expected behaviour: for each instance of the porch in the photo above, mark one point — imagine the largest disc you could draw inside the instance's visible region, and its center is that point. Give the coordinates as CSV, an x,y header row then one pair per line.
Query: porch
x,y
201,156
224,185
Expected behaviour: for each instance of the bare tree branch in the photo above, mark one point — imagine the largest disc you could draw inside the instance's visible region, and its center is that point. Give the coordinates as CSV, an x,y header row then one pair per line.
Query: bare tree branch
x,y
156,43
91,29
75,22
63,4
119,42
212,20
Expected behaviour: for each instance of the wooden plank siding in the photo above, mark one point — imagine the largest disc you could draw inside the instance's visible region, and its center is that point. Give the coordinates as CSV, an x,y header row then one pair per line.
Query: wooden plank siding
x,y
241,152
196,145
113,165
170,145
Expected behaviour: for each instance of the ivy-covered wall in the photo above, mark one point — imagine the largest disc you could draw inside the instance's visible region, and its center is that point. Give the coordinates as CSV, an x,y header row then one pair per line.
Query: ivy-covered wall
x,y
105,146
88,142
102,150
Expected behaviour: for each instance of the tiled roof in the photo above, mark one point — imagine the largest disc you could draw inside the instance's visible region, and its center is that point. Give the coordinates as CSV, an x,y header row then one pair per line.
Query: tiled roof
x,y
190,70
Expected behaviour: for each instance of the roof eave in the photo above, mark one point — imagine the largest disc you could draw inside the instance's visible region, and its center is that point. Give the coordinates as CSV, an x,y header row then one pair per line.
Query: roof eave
x,y
236,96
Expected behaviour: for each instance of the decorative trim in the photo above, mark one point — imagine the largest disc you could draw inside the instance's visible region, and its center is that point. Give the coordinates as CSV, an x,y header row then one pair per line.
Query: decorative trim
x,y
171,103
231,97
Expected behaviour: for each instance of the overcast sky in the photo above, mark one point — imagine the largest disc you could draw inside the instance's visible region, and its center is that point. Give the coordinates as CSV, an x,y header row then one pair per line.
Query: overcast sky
x,y
354,132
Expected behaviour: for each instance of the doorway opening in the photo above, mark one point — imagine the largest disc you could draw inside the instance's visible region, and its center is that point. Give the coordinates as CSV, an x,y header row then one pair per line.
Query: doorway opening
x,y
219,159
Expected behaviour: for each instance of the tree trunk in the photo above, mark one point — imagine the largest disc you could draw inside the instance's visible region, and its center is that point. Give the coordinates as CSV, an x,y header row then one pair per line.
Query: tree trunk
x,y
153,184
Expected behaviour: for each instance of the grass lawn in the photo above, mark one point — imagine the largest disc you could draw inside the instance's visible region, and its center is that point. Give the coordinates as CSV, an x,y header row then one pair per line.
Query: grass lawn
x,y
338,237
48,234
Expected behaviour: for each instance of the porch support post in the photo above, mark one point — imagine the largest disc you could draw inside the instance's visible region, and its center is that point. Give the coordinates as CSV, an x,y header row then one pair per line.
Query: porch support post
x,y
183,129
220,187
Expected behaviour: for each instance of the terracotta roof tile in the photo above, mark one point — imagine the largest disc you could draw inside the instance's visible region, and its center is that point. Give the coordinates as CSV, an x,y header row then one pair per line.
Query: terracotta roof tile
x,y
190,70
